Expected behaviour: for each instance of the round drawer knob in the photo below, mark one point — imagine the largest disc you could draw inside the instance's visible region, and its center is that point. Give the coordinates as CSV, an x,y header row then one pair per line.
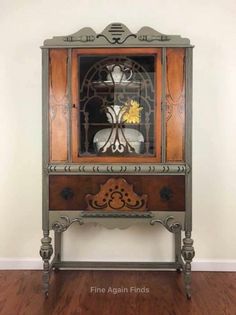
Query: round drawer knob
x,y
166,193
67,193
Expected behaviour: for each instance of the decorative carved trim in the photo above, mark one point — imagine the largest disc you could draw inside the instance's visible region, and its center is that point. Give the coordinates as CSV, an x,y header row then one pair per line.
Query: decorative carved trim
x,y
151,38
65,223
83,39
46,252
114,219
151,169
188,250
116,35
116,194
120,214
188,254
46,249
169,223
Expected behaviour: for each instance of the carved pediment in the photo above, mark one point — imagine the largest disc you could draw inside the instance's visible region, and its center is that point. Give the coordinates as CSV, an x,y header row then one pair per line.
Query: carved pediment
x,y
116,194
117,34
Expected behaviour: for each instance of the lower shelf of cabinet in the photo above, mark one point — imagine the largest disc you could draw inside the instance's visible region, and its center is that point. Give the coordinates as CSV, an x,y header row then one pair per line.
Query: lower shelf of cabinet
x,y
112,265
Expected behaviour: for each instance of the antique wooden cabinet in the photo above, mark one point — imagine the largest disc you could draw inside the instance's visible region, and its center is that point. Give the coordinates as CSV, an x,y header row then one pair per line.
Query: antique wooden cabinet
x,y
117,139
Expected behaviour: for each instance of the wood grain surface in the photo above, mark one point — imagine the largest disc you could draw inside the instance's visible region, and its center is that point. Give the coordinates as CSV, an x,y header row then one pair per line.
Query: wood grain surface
x,y
214,293
175,100
83,185
58,100
116,194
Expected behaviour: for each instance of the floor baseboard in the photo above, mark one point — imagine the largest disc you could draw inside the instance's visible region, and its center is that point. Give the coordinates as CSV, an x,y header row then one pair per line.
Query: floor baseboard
x,y
214,265
20,264
197,265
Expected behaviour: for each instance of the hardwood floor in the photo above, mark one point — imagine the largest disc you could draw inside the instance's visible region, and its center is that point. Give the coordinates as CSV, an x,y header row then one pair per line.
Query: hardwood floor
x,y
214,293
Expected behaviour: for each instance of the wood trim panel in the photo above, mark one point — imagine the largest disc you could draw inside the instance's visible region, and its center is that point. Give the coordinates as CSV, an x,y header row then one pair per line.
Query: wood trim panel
x,y
70,192
75,101
58,104
175,104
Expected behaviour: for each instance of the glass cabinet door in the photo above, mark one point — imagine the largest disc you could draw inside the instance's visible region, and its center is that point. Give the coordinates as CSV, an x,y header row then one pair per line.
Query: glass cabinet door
x,y
117,104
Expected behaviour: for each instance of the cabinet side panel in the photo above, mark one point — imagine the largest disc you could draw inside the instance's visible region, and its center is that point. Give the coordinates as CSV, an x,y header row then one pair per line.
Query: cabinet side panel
x,y
175,104
58,104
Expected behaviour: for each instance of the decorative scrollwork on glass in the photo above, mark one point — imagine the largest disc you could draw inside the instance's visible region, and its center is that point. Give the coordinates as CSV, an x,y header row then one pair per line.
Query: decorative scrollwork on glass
x,y
117,105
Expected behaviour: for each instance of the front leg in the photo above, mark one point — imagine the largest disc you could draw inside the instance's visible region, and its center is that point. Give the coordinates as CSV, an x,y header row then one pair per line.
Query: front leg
x,y
178,258
46,252
57,248
188,253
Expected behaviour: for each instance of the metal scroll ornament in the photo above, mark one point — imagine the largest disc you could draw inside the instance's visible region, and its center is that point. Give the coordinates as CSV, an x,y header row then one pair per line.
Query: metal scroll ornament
x,y
118,139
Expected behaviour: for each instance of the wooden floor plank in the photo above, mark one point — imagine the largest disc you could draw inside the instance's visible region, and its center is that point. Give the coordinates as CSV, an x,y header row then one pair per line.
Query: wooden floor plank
x,y
214,293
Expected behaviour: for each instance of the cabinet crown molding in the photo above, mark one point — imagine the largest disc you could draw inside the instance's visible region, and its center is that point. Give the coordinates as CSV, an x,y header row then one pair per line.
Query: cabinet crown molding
x,y
117,35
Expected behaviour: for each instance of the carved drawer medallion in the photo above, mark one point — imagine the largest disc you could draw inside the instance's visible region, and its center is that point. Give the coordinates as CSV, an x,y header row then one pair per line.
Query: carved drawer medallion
x,y
116,194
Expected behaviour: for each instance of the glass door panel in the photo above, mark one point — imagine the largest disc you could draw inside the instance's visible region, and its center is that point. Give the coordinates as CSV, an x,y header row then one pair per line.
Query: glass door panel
x,y
116,105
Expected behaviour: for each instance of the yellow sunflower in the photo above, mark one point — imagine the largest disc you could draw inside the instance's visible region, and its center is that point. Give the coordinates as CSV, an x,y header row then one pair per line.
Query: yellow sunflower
x,y
132,111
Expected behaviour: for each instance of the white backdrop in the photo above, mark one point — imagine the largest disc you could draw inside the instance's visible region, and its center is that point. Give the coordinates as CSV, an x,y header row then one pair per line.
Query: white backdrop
x,y
211,27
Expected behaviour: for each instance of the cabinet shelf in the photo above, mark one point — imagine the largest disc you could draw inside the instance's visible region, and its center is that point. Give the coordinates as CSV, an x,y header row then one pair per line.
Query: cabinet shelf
x,y
121,124
122,85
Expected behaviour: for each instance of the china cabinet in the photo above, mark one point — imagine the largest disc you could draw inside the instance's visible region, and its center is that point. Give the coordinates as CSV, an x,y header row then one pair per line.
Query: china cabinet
x,y
117,139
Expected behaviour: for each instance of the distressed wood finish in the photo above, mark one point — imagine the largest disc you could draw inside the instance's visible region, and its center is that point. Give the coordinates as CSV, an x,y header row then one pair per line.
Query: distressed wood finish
x,y
75,100
116,194
142,185
175,102
58,105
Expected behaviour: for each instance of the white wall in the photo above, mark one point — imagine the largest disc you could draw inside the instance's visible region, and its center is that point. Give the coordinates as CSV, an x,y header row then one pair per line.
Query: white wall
x,y
211,27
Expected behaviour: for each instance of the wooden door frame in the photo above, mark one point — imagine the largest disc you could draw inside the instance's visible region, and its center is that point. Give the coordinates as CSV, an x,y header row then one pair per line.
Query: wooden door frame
x,y
75,101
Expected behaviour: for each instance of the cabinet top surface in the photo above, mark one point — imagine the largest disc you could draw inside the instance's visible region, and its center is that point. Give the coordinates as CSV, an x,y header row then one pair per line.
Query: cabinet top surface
x,y
117,35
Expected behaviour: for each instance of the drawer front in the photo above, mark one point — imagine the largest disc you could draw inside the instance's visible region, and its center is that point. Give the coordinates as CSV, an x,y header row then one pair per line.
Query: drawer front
x,y
104,192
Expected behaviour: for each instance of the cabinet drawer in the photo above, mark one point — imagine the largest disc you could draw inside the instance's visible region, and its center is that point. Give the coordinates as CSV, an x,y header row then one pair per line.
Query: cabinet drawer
x,y
104,192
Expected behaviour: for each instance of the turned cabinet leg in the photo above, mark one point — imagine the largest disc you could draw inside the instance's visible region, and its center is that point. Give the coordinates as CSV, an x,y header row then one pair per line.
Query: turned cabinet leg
x,y
46,252
178,251
57,247
188,254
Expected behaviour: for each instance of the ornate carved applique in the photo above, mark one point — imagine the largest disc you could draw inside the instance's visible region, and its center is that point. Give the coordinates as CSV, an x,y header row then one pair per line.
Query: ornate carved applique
x,y
116,33
169,223
151,38
64,223
83,39
116,194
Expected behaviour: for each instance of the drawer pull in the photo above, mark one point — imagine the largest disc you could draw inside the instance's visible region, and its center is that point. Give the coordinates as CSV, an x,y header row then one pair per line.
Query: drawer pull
x,y
67,193
166,193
